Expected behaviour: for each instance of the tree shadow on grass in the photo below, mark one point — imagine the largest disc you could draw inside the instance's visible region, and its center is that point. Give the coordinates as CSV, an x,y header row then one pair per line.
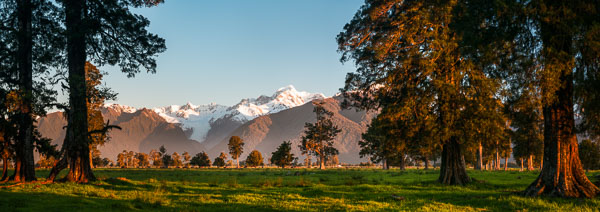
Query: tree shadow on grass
x,y
22,201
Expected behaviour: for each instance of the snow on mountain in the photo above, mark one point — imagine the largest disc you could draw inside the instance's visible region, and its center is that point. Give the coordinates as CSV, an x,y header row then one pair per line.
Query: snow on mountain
x,y
120,108
199,117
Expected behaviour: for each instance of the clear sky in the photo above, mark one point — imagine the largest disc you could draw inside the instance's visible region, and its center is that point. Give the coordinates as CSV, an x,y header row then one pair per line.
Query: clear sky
x,y
223,51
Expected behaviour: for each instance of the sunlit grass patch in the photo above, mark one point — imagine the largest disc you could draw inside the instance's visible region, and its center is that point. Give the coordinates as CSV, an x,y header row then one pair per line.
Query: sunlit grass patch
x,y
285,189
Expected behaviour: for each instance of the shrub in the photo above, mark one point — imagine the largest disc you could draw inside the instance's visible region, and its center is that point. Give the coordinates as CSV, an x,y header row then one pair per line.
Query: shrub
x,y
254,159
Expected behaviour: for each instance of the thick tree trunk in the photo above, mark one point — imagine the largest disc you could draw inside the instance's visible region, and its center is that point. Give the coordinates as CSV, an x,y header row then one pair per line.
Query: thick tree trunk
x,y
562,174
426,161
76,145
452,171
25,171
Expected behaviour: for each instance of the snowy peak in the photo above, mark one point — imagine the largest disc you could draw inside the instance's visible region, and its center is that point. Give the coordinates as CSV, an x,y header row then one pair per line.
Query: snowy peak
x,y
199,118
284,98
120,108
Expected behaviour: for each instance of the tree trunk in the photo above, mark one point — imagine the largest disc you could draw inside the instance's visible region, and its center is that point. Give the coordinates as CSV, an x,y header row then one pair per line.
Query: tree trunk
x,y
402,162
530,163
562,174
506,163
497,158
4,153
91,158
385,165
452,171
521,164
237,161
479,164
76,151
25,171
322,162
426,163
4,168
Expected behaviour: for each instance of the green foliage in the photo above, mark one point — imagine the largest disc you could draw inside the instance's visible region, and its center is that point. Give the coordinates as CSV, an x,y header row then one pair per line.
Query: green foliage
x,y
201,159
526,116
318,137
283,155
236,147
167,160
176,160
220,161
255,159
589,153
412,68
143,159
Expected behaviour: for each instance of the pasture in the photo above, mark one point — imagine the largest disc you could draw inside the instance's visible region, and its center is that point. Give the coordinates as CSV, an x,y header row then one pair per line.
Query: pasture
x,y
273,189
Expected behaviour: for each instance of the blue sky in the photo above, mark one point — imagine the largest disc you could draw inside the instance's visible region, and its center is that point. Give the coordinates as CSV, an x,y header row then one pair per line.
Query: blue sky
x,y
223,51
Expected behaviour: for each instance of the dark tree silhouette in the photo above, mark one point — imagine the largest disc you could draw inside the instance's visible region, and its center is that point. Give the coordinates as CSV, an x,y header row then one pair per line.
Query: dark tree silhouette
x,y
109,33
202,160
27,52
283,155
220,161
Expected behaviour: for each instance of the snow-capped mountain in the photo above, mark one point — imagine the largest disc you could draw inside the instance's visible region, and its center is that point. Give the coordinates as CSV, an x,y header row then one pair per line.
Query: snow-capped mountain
x,y
199,118
120,108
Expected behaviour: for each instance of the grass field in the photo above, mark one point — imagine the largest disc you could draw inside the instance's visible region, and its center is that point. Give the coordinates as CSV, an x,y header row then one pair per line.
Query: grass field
x,y
289,189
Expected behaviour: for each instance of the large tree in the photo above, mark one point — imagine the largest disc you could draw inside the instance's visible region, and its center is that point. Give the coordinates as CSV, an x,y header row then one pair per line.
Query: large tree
x,y
409,61
319,136
567,34
109,33
554,46
27,53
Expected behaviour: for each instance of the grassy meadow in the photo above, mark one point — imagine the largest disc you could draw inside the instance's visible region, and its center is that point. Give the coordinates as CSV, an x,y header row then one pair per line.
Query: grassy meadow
x,y
284,190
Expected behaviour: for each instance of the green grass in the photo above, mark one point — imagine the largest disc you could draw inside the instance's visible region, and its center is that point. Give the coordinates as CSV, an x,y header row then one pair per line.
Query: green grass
x,y
289,190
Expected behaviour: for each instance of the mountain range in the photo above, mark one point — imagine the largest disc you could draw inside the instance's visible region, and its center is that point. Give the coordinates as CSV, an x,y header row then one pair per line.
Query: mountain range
x,y
263,123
